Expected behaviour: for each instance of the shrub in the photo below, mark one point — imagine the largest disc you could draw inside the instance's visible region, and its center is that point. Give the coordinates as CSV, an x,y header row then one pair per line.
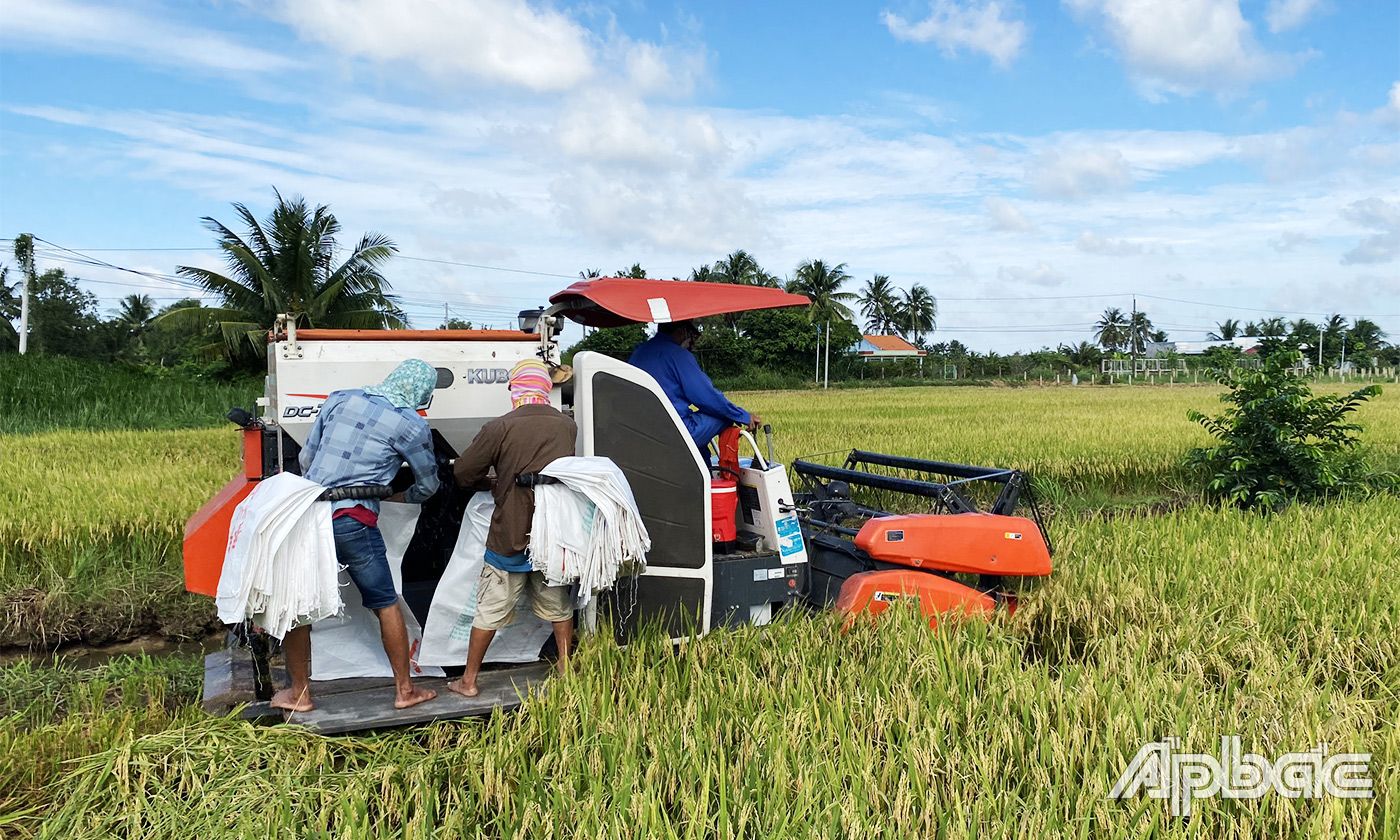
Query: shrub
x,y
1279,443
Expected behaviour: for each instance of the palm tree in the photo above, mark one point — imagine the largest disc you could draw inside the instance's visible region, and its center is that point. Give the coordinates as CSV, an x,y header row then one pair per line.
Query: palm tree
x,y
741,268
822,284
1273,328
1225,330
1140,331
879,303
703,274
1368,334
287,264
919,312
134,315
1111,331
1303,329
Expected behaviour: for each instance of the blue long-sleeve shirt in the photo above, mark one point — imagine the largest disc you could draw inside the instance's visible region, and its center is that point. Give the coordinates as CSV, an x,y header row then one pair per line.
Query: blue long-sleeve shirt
x,y
360,440
679,375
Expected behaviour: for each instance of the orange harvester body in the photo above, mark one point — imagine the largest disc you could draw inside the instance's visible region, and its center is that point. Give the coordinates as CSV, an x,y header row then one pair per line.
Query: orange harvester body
x,y
984,544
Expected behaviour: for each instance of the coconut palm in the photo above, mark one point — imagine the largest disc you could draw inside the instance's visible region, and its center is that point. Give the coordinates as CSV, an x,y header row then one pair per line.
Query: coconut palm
x,y
740,267
703,274
1140,331
1225,330
879,303
287,264
1111,331
822,283
918,312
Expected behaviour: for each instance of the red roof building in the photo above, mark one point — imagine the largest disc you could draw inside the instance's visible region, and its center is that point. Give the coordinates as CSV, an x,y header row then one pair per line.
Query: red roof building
x,y
887,347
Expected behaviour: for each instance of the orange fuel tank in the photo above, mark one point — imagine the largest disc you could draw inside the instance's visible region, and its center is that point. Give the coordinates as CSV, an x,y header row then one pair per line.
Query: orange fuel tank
x,y
980,543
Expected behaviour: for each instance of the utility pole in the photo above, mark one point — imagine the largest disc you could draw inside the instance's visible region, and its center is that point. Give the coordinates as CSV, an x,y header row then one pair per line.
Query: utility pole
x,y
445,319
24,252
1132,341
817,371
826,374
1343,365
1319,349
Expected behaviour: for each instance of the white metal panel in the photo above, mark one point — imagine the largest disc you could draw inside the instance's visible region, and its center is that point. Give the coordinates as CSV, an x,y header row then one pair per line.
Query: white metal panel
x,y
298,385
586,366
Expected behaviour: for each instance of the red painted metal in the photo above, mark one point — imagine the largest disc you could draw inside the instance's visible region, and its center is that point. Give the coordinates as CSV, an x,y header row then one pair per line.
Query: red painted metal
x,y
616,301
980,543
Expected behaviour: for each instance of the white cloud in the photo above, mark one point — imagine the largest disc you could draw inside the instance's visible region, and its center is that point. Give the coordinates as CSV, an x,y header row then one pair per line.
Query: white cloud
x,y
1093,243
1285,242
1287,14
101,30
1376,214
1042,274
501,41
1005,216
1183,46
1075,173
976,26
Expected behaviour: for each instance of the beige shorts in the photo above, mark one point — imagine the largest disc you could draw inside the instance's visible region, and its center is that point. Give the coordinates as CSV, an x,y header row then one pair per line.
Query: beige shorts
x,y
499,592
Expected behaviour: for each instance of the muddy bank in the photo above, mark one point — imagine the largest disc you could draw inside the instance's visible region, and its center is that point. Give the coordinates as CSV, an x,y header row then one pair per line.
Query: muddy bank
x,y
35,621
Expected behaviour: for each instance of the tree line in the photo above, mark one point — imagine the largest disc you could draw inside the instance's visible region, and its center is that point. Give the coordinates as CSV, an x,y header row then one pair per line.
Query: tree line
x,y
291,262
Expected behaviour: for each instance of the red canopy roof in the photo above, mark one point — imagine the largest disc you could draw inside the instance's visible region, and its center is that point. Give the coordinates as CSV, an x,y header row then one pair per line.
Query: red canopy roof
x,y
615,301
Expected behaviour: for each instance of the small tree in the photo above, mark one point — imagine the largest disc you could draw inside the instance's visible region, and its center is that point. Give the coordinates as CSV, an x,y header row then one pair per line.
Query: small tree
x,y
1279,443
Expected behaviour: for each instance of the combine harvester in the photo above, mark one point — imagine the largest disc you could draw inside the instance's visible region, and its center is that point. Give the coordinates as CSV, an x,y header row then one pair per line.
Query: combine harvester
x,y
784,549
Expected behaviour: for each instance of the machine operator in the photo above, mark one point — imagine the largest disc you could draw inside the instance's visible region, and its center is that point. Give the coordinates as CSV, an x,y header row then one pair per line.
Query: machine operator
x,y
668,357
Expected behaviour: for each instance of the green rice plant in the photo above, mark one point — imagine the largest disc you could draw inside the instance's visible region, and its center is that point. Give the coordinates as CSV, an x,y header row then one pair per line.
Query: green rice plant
x,y
42,393
1200,623
90,531
1096,445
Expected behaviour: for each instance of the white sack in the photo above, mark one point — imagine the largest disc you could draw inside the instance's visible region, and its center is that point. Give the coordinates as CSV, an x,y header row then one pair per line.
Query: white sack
x,y
350,645
279,564
450,617
587,529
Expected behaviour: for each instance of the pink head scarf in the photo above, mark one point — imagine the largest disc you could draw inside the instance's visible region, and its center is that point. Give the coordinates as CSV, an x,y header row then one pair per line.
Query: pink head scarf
x,y
529,383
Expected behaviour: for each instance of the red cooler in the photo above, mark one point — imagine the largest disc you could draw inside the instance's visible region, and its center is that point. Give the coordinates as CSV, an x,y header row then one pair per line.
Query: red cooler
x,y
724,507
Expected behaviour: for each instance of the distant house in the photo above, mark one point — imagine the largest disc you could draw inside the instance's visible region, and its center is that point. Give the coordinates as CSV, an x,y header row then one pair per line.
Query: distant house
x,y
1247,344
887,347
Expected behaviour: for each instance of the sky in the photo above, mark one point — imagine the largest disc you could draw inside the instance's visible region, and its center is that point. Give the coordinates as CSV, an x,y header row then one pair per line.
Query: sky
x,y
1031,163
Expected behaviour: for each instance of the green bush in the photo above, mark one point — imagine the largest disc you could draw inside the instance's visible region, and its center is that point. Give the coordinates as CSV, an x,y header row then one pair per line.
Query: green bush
x,y
1280,443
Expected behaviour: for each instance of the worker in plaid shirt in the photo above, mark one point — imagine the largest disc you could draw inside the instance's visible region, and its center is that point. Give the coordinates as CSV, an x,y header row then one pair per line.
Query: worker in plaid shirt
x,y
360,438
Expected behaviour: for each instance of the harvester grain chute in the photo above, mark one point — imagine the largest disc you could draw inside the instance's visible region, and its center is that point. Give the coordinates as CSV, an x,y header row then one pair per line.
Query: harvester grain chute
x,y
709,566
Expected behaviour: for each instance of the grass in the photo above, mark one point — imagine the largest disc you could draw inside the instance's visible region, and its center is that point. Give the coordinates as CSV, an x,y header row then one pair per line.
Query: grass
x,y
1088,445
1198,624
42,393
90,531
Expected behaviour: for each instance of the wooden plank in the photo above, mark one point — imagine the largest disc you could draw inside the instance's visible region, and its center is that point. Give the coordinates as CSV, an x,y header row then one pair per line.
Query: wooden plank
x,y
373,708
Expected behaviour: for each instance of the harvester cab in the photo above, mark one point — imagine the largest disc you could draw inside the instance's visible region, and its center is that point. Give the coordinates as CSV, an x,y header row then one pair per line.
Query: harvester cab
x,y
690,584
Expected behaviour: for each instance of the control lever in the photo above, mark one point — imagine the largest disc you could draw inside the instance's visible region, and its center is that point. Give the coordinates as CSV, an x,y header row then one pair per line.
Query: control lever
x,y
768,433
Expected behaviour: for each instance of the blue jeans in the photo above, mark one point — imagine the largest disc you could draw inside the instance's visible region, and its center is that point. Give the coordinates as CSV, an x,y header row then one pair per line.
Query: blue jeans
x,y
360,548
703,428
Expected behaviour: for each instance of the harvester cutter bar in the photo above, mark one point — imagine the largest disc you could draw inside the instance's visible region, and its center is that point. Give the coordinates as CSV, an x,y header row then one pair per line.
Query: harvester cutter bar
x,y
920,478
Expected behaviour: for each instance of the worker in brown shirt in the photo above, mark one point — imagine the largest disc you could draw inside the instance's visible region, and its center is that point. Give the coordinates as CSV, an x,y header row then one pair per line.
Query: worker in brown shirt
x,y
526,440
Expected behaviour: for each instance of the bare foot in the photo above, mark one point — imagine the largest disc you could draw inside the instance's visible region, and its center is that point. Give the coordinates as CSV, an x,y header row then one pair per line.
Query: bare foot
x,y
285,699
463,689
414,696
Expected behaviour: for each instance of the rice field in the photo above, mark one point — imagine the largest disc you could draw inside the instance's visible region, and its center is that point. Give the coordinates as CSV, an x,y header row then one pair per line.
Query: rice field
x,y
1197,622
